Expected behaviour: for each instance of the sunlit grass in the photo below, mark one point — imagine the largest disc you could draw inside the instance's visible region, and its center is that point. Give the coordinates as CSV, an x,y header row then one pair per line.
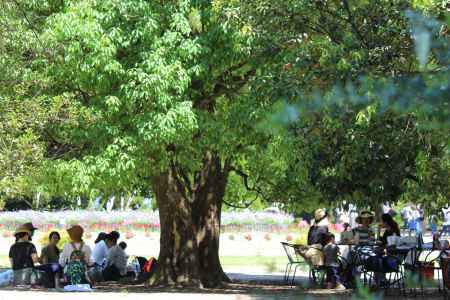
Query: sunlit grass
x,y
269,264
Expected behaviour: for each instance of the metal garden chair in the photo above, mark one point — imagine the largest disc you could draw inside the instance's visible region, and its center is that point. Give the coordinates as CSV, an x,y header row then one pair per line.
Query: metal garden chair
x,y
294,260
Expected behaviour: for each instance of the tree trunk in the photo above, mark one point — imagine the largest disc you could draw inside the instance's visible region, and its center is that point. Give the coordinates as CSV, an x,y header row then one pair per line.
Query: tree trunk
x,y
190,226
207,213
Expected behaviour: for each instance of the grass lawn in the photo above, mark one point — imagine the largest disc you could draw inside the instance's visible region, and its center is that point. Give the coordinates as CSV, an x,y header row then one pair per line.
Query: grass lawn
x,y
269,264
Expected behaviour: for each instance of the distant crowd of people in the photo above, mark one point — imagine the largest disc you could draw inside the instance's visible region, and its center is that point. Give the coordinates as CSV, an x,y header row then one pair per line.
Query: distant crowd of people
x,y
75,264
412,216
322,248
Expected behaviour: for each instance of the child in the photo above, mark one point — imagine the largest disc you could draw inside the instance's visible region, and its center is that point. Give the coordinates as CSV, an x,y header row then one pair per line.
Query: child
x,y
331,253
123,245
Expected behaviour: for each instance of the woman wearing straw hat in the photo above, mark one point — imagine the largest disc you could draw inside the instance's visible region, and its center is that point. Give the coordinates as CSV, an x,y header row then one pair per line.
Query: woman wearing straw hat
x,y
23,256
76,236
76,257
319,228
363,233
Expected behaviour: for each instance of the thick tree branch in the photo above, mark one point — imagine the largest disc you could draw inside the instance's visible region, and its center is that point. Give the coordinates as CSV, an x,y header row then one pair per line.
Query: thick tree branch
x,y
246,204
245,178
352,23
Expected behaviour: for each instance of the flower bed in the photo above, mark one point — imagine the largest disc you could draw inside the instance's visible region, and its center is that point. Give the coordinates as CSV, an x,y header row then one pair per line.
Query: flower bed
x,y
147,221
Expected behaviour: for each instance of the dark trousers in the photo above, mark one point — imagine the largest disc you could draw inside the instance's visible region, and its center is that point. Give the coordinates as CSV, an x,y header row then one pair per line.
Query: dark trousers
x,y
111,273
52,271
333,275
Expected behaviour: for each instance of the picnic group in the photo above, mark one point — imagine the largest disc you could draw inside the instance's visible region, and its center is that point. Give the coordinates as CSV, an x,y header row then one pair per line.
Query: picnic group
x,y
76,266
370,250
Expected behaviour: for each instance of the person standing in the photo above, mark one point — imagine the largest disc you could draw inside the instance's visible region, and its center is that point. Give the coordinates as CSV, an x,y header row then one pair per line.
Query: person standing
x,y
406,214
331,254
446,224
353,214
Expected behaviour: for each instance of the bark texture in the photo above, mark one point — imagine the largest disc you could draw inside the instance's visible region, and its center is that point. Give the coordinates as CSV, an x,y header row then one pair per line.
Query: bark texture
x,y
190,225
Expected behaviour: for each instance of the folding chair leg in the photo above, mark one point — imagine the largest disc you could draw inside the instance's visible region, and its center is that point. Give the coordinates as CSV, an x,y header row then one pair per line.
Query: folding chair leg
x,y
287,271
293,277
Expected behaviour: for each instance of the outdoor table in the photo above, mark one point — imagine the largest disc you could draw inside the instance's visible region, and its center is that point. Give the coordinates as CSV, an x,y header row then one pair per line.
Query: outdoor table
x,y
401,250
345,249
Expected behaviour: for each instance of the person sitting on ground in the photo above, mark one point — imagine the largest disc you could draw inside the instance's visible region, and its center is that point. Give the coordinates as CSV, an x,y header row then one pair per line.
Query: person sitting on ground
x,y
50,261
123,245
319,227
50,253
29,226
23,256
75,257
390,227
116,262
331,253
100,250
363,233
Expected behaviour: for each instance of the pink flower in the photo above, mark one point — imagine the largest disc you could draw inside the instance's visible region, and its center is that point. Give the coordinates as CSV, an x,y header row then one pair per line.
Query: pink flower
x,y
303,224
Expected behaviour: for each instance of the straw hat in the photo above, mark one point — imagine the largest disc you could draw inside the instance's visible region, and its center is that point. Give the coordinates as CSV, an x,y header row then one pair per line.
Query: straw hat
x,y
29,226
365,215
75,233
22,229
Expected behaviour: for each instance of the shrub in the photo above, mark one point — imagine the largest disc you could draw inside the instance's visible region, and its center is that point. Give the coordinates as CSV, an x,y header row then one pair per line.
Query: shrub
x,y
248,237
231,237
267,237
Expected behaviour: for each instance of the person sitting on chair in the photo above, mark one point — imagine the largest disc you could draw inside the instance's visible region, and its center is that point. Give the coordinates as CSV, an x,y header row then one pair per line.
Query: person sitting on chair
x,y
318,228
363,233
391,228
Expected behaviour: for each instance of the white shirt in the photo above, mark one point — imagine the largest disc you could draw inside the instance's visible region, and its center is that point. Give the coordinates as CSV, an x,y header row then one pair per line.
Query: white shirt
x,y
68,249
99,253
446,212
117,257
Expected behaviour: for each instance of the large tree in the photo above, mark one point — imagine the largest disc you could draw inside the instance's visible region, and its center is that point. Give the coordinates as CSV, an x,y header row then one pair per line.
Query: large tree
x,y
151,96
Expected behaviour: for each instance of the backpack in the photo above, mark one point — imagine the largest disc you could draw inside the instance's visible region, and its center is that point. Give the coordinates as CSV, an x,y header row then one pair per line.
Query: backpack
x,y
76,267
148,270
